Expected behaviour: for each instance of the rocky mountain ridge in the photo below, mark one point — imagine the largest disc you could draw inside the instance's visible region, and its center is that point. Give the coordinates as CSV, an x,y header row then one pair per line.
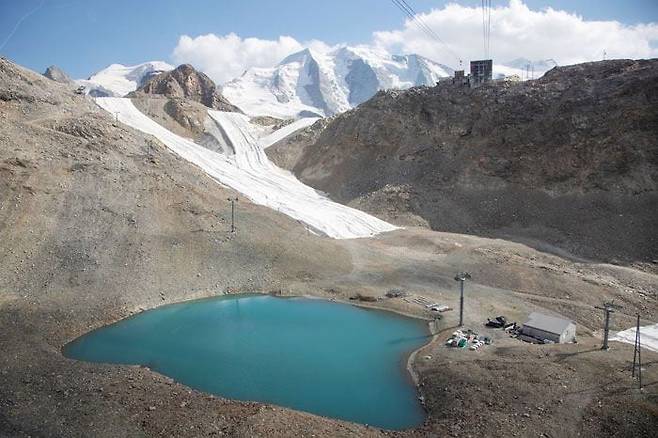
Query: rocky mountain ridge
x,y
568,161
57,74
186,82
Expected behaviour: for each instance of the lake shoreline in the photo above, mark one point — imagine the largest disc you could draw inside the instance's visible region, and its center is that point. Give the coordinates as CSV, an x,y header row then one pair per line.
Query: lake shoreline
x,y
409,356
405,357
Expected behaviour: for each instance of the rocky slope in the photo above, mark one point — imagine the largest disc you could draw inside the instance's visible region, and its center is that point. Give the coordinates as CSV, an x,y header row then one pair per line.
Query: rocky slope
x,y
567,162
181,116
287,152
185,82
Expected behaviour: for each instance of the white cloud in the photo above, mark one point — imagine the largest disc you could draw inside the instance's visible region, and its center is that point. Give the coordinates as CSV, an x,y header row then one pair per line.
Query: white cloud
x,y
226,57
519,32
516,32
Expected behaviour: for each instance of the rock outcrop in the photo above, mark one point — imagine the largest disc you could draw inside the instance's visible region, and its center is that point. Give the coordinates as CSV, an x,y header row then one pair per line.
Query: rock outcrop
x,y
57,74
565,162
186,82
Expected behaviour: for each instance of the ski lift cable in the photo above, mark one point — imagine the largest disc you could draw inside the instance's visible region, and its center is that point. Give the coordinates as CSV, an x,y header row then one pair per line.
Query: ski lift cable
x,y
420,19
488,4
404,7
411,13
486,27
489,32
484,31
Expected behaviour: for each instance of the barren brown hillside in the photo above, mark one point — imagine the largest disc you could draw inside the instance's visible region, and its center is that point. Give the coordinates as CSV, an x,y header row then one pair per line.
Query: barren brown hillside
x,y
568,162
99,222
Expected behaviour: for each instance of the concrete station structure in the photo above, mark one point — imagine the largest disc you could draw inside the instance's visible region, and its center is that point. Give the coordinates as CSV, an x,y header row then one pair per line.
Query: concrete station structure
x,y
552,328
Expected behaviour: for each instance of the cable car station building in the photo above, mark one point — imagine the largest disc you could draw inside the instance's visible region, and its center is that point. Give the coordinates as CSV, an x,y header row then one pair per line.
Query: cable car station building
x,y
481,71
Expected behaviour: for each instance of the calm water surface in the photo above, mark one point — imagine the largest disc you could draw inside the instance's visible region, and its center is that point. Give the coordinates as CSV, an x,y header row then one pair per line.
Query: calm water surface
x,y
330,359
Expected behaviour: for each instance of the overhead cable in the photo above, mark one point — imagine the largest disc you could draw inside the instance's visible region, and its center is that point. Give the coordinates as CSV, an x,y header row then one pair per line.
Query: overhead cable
x,y
408,10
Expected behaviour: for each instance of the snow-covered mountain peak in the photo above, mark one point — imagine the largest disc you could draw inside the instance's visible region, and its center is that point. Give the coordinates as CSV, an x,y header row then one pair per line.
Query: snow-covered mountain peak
x,y
301,56
119,80
311,82
305,83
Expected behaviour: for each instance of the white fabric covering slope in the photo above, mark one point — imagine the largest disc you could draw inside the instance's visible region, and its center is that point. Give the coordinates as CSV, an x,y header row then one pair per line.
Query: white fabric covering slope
x,y
282,133
648,336
251,173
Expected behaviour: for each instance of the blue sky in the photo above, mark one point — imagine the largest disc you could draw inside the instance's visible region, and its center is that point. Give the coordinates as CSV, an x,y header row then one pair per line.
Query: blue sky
x,y
83,36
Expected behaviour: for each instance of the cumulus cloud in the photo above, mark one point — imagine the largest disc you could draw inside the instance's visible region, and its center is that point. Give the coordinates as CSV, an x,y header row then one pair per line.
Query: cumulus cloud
x,y
516,32
226,57
519,32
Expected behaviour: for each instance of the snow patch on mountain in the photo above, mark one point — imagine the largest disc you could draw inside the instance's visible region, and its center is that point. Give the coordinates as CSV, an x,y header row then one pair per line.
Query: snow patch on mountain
x,y
118,80
309,82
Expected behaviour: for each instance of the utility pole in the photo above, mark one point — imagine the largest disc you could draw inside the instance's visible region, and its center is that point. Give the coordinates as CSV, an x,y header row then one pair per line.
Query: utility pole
x,y
637,352
461,277
607,308
232,201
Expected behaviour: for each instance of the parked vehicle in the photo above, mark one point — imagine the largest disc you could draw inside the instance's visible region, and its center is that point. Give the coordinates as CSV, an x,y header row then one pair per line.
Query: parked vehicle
x,y
497,322
439,308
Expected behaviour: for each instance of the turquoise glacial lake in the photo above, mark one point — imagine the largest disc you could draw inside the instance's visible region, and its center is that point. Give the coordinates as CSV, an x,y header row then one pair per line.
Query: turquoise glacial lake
x,y
331,359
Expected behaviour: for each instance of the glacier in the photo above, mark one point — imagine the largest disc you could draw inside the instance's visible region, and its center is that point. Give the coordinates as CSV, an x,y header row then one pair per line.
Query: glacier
x,y
248,171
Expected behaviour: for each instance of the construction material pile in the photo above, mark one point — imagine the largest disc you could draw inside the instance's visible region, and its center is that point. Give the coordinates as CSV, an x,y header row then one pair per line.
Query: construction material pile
x,y
468,338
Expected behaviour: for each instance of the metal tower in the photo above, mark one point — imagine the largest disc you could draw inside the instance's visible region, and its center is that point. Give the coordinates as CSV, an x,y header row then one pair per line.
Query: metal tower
x,y
461,277
607,308
232,201
637,353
